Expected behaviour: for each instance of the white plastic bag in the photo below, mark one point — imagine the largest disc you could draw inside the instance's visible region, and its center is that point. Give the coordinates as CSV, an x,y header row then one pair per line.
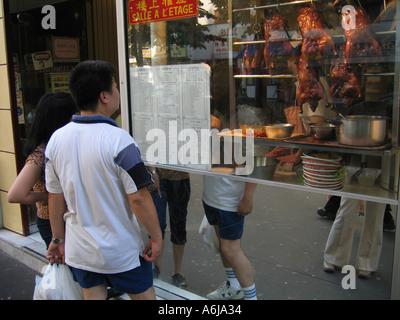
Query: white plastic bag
x,y
57,283
209,236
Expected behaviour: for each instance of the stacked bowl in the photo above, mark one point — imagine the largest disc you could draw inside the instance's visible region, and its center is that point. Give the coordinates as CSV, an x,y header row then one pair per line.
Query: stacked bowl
x,y
322,170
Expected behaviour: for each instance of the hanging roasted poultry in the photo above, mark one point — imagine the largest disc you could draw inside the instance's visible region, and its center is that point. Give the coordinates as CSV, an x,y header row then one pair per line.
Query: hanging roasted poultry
x,y
258,64
360,41
277,48
253,60
317,43
316,46
247,60
361,45
310,89
345,87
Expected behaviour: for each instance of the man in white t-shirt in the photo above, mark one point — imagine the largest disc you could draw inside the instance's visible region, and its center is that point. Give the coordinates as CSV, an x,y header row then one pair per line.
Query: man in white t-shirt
x,y
97,168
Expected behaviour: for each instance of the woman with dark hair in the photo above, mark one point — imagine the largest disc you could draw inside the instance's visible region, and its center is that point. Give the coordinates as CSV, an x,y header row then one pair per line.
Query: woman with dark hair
x,y
54,110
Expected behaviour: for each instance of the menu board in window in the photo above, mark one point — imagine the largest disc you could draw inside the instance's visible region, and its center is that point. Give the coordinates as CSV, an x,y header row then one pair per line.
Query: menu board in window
x,y
171,114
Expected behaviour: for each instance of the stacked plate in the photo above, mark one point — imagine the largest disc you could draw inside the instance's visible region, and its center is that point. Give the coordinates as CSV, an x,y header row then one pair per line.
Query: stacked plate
x,y
321,170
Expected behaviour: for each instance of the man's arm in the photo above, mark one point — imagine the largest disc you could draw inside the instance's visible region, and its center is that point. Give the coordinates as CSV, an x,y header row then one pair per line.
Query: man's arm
x,y
143,206
55,252
246,204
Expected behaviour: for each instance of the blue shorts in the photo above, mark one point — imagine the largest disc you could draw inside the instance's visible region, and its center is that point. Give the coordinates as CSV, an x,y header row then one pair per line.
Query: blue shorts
x,y
230,224
134,281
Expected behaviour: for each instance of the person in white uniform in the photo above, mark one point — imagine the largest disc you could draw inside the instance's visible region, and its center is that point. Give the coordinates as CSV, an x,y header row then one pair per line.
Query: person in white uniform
x,y
340,240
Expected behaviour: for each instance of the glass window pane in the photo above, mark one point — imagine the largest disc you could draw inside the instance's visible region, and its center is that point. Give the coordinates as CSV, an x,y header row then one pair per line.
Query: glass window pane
x,y
257,63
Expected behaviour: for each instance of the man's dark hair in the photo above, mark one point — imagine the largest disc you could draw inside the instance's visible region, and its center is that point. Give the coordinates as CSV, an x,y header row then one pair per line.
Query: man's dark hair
x,y
87,80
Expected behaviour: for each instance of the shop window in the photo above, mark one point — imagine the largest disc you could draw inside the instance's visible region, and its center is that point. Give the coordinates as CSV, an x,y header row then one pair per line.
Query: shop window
x,y
285,64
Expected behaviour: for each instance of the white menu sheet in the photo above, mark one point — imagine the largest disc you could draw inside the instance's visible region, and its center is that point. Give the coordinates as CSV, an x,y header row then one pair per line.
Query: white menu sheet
x,y
171,114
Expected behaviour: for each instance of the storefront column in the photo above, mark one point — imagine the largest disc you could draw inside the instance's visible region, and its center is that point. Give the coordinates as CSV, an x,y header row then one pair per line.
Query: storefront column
x,y
395,295
11,213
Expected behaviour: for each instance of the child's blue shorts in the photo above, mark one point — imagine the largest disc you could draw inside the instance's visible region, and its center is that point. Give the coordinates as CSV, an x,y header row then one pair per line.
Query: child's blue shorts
x,y
230,224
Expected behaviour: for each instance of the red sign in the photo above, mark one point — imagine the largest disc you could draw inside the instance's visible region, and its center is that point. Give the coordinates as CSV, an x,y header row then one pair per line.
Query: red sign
x,y
146,11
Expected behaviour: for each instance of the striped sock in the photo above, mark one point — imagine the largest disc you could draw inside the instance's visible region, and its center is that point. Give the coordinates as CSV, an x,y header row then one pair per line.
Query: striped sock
x,y
231,277
250,293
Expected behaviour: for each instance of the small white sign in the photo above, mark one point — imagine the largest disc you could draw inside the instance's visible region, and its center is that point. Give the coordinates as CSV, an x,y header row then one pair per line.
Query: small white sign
x,y
66,49
42,60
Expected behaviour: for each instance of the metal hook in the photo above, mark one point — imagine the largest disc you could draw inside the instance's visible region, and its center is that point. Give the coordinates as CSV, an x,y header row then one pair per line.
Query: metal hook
x,y
253,11
313,4
278,8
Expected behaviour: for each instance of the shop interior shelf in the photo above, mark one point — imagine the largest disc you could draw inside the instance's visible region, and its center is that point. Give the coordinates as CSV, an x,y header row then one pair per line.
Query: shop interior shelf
x,y
277,5
366,193
309,143
300,39
292,181
265,76
263,41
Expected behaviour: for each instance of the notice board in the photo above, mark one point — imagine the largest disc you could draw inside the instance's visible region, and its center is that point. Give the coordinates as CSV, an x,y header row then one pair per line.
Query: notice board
x,y
175,101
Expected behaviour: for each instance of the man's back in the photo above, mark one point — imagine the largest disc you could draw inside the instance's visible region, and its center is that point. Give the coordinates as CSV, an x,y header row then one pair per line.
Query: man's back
x,y
88,160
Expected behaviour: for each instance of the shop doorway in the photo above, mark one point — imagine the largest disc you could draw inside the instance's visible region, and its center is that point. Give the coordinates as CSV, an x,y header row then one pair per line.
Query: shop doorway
x,y
43,45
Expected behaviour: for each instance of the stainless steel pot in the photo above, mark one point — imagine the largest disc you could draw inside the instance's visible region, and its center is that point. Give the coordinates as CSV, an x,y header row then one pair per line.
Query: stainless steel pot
x,y
264,167
363,131
279,131
263,161
323,131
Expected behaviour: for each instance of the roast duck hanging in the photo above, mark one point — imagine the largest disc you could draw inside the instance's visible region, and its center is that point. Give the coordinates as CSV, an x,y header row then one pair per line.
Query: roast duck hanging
x,y
278,48
317,45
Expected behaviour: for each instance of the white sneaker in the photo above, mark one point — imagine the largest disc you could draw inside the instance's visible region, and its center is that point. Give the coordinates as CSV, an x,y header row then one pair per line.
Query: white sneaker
x,y
226,292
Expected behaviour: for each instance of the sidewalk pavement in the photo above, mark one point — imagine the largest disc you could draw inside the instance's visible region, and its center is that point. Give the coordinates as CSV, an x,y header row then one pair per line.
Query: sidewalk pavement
x,y
283,238
17,280
31,251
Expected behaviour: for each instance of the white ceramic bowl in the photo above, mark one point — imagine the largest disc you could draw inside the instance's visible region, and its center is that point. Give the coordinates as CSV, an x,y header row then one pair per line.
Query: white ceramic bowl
x,y
335,159
330,187
323,178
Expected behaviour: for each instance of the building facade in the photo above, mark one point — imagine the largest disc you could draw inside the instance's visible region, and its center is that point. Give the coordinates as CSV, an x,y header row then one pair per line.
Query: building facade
x,y
182,62
39,45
